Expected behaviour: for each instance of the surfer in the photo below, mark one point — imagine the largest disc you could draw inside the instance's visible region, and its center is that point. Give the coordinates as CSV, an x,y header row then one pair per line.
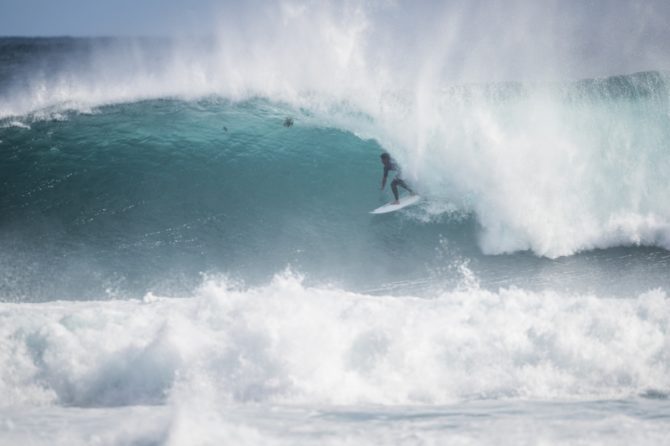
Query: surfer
x,y
390,164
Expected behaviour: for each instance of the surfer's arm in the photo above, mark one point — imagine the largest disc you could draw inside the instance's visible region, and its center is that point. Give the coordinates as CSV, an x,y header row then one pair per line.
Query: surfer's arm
x,y
386,173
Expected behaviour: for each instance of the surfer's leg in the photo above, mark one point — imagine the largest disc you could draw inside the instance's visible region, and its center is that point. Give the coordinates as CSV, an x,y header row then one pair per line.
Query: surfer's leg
x,y
404,185
394,188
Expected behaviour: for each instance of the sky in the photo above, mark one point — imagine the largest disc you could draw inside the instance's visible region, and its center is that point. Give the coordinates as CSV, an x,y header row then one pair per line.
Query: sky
x,y
104,17
161,17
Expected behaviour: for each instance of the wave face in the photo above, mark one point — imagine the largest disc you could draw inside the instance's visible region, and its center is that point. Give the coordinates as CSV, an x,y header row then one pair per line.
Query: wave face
x,y
146,196
96,204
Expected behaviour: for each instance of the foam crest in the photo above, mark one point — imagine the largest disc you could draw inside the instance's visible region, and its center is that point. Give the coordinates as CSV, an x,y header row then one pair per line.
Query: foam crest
x,y
285,343
548,169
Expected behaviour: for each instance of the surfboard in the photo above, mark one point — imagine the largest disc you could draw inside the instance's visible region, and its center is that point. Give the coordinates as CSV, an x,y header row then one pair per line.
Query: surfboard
x,y
405,201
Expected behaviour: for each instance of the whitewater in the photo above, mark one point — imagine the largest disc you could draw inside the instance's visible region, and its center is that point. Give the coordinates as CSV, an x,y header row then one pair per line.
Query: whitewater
x,y
187,254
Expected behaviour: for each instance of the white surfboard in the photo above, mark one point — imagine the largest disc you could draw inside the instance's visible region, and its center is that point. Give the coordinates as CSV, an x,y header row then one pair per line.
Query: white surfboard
x,y
403,202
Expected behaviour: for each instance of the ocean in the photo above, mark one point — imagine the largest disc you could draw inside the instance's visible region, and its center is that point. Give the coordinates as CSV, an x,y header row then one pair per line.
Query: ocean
x,y
180,265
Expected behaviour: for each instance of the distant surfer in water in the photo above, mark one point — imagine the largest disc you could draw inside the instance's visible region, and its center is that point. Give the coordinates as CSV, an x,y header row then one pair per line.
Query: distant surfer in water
x,y
390,164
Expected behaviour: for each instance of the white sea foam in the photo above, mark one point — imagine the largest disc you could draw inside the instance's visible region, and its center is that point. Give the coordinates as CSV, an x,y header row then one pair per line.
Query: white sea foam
x,y
287,364
15,123
284,343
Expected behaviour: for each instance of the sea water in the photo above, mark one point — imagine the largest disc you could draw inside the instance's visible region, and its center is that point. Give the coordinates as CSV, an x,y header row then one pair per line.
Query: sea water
x,y
179,267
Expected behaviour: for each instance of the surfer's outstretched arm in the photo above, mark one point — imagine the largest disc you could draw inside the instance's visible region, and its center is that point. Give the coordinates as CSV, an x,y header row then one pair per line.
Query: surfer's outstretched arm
x,y
386,173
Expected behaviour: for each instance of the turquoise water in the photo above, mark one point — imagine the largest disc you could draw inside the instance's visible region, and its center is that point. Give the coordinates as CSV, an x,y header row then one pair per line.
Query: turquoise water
x,y
149,196
98,202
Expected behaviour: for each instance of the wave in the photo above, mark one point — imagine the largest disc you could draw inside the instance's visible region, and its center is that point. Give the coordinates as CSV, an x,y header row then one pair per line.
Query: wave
x,y
147,195
165,177
288,343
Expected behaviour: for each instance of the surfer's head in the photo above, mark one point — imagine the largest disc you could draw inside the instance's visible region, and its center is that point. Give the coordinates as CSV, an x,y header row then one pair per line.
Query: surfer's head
x,y
385,157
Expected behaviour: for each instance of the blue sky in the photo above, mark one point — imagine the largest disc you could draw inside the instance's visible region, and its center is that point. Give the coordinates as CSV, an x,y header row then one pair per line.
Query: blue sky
x,y
164,17
104,17
161,17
